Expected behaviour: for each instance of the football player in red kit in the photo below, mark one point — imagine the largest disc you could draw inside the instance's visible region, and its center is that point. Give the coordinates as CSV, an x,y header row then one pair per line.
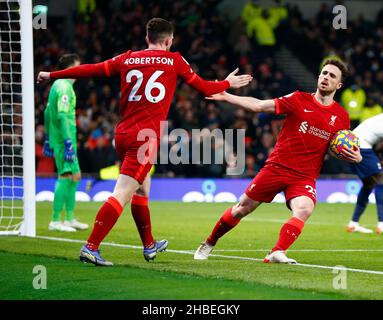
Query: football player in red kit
x,y
148,81
295,163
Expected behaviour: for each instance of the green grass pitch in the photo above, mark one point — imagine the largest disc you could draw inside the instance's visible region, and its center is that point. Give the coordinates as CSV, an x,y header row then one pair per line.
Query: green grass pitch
x,y
175,275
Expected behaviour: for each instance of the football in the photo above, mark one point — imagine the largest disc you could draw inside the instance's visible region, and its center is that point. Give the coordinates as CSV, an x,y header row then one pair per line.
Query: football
x,y
342,139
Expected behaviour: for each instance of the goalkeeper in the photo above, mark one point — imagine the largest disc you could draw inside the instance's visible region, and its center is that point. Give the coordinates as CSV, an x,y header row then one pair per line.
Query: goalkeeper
x,y
60,141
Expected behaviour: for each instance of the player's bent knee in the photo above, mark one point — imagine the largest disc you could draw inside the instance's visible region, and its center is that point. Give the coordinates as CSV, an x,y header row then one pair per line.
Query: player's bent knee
x,y
122,197
302,207
244,207
143,192
240,211
124,189
303,212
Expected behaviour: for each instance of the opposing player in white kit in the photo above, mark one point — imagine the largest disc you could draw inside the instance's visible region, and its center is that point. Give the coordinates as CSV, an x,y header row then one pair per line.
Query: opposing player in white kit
x,y
369,171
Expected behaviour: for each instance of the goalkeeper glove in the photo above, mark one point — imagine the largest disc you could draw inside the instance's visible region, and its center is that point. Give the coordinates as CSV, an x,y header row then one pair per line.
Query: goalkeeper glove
x,y
69,153
47,151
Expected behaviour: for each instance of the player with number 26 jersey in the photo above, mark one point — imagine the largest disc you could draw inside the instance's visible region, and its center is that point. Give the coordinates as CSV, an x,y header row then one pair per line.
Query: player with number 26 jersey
x,y
148,81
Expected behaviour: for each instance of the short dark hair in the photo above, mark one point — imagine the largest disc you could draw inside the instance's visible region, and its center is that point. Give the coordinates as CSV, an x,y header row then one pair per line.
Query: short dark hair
x,y
67,60
157,29
340,64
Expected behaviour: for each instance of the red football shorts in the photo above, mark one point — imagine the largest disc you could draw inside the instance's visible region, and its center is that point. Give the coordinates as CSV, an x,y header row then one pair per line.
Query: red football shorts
x,y
273,179
137,157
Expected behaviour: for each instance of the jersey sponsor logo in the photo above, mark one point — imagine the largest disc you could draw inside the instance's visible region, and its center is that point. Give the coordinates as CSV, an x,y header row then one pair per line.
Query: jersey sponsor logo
x,y
332,122
307,110
306,128
303,127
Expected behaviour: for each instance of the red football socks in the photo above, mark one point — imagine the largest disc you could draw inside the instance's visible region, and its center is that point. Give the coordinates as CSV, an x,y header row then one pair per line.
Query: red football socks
x,y
104,222
289,233
141,216
224,225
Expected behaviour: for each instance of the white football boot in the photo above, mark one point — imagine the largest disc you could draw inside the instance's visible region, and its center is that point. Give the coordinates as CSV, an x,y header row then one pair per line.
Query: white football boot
x,y
355,227
59,226
278,256
76,224
203,251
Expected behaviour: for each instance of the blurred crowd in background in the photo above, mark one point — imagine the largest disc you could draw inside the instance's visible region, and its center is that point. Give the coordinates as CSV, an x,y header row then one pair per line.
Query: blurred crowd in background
x,y
214,45
359,45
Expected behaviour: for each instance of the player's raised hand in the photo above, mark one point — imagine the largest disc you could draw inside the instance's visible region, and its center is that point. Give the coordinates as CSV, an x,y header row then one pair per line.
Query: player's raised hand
x,y
352,155
42,76
218,96
238,81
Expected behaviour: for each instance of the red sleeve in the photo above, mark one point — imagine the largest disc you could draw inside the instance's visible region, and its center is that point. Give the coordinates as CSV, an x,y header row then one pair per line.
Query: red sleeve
x,y
286,104
106,68
81,71
207,88
113,66
183,68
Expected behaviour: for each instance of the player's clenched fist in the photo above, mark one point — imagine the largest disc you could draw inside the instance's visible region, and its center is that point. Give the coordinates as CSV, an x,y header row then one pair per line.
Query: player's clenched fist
x,y
42,76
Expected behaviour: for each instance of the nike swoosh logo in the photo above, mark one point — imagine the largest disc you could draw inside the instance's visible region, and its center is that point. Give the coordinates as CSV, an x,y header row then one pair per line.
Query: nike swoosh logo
x,y
305,110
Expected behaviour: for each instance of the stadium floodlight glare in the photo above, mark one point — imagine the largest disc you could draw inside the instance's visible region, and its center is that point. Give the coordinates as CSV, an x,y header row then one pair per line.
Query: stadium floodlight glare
x,y
17,130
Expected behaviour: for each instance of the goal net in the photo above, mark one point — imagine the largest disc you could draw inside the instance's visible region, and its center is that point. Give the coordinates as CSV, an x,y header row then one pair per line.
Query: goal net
x,y
17,154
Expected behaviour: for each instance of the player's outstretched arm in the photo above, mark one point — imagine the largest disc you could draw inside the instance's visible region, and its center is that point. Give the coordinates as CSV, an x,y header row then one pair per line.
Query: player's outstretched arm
x,y
207,87
81,71
43,76
248,103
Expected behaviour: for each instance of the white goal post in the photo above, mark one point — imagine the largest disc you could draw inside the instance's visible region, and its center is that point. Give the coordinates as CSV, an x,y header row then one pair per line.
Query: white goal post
x,y
17,125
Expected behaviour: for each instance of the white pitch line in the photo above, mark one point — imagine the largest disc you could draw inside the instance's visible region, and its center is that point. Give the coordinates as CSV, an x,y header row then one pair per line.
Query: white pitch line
x,y
191,252
301,250
111,244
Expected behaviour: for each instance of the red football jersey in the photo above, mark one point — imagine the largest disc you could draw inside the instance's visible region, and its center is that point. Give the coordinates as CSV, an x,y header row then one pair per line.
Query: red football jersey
x,y
148,82
306,133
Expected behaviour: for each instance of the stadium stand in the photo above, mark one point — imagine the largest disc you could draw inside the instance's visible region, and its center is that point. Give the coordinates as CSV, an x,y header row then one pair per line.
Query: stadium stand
x,y
216,44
